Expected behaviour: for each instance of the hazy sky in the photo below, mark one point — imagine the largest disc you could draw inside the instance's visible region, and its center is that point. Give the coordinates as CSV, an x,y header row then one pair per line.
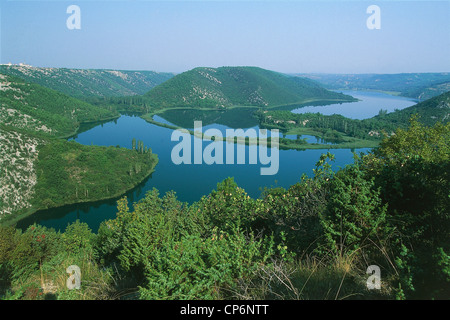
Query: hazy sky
x,y
175,36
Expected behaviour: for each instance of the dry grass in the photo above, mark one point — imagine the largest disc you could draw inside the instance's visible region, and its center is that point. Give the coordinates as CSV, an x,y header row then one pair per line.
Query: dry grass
x,y
49,282
329,278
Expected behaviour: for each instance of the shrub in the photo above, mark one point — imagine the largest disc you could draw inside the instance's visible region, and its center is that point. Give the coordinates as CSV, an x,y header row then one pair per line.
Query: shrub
x,y
78,239
354,214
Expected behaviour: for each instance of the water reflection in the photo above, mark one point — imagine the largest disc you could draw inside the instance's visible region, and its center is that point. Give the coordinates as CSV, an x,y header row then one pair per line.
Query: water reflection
x,y
369,105
191,182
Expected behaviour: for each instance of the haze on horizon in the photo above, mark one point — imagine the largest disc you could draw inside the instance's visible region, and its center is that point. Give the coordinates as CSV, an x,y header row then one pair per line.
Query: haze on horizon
x,y
175,36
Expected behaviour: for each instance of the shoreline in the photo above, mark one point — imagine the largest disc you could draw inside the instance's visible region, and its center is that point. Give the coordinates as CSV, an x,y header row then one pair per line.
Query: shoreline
x,y
358,144
13,219
77,131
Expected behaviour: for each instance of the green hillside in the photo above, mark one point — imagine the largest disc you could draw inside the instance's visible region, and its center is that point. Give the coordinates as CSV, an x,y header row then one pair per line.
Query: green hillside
x,y
89,83
31,106
237,86
436,109
38,170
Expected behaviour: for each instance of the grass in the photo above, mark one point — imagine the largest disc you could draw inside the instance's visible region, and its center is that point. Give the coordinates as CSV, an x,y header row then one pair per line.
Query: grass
x,y
338,278
50,281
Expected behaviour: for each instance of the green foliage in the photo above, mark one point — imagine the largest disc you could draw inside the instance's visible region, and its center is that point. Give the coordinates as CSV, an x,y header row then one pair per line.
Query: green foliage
x,y
334,128
429,112
69,172
412,169
31,249
7,243
196,268
78,239
312,240
291,216
354,216
227,206
42,107
166,243
153,221
33,263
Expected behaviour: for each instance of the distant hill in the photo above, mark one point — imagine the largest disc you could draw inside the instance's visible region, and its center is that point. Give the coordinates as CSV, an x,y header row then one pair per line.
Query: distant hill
x,y
425,93
32,107
420,86
237,86
89,83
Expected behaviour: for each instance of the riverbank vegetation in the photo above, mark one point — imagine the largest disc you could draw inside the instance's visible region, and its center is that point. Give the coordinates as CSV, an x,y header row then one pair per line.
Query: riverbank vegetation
x,y
331,131
39,170
314,240
351,133
57,172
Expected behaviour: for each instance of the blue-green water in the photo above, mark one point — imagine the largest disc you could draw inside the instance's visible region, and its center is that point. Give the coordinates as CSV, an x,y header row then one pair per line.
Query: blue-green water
x,y
369,105
190,182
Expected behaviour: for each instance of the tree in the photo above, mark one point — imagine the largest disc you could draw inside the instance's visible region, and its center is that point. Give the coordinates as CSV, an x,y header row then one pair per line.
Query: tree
x,y
354,214
412,170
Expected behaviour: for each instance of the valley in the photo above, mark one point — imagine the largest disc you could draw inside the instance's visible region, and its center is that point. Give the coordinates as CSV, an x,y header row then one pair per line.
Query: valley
x,y
238,97
225,155
73,161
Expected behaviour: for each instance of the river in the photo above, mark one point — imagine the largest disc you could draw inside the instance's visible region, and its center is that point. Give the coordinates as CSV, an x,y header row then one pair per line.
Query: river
x,y
192,181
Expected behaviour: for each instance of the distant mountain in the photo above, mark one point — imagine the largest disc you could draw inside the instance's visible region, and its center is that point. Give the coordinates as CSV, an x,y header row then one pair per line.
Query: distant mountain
x,y
436,109
32,107
237,86
425,93
420,86
89,83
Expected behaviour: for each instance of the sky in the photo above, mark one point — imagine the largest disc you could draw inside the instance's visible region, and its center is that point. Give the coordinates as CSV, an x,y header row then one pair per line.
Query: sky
x,y
176,36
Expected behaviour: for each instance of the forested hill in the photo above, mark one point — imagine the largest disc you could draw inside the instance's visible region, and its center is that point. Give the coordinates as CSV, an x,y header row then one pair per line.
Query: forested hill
x,y
36,108
89,83
433,110
420,86
38,170
237,86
